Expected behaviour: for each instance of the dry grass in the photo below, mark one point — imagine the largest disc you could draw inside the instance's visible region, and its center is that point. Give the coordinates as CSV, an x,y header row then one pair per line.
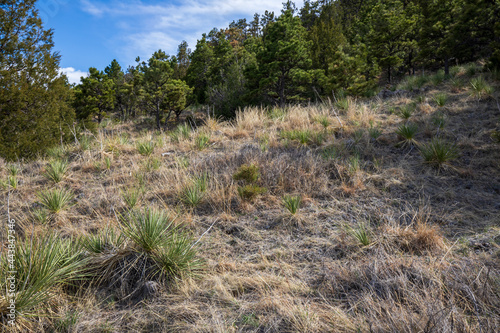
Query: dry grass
x,y
434,268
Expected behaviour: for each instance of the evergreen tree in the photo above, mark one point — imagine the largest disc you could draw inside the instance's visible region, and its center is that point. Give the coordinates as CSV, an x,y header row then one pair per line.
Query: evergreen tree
x,y
94,97
34,110
162,94
284,60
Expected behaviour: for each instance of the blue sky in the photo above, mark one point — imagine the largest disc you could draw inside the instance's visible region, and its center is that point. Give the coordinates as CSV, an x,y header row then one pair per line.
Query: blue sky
x,y
91,33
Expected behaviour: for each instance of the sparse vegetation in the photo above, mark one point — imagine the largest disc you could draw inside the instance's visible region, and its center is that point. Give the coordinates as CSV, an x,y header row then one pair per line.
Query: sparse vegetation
x,y
55,200
56,170
146,148
438,152
480,88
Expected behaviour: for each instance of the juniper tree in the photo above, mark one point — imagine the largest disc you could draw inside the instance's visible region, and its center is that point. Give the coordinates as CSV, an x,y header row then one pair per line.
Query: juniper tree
x,y
34,110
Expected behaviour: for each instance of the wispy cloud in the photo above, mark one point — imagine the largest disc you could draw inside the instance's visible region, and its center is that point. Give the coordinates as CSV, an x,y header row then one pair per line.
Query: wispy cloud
x,y
143,27
73,74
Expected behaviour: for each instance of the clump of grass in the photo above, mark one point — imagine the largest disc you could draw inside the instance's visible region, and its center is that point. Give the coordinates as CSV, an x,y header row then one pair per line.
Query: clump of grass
x,y
152,163
156,234
247,172
40,215
13,169
148,229
324,121
480,88
43,264
440,99
354,164
438,78
330,153
406,133
438,152
302,136
343,103
57,152
374,132
192,195
107,162
56,170
55,200
182,131
201,141
107,239
292,203
277,113
182,162
250,191
471,69
439,120
85,142
146,148
360,233
406,111
131,197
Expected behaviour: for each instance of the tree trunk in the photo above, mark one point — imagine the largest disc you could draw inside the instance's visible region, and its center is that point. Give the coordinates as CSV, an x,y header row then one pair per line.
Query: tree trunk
x,y
158,125
446,66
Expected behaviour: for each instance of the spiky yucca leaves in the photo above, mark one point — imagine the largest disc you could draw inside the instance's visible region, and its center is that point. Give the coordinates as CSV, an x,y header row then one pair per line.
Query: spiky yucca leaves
x,y
292,203
55,200
201,141
360,233
98,243
480,88
56,170
406,111
179,258
406,133
146,148
131,197
148,229
441,99
43,264
438,152
13,169
192,195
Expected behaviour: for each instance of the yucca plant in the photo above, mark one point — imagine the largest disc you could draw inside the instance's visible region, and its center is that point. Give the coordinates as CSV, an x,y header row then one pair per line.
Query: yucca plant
x,y
324,121
480,88
148,229
471,69
192,195
184,130
12,182
55,200
146,148
438,152
56,170
202,181
374,132
406,133
131,197
438,78
85,143
361,233
201,141
179,258
406,111
43,264
292,203
439,120
440,99
40,215
104,240
13,170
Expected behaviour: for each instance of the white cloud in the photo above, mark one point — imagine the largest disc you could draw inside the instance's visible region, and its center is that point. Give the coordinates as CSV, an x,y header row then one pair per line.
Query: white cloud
x,y
143,27
73,75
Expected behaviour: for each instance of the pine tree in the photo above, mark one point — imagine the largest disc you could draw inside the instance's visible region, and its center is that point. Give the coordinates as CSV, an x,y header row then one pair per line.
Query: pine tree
x,y
94,96
34,110
285,60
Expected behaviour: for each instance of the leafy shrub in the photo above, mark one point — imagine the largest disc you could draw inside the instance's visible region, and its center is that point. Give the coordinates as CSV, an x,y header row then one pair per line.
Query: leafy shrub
x,y
248,173
250,191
